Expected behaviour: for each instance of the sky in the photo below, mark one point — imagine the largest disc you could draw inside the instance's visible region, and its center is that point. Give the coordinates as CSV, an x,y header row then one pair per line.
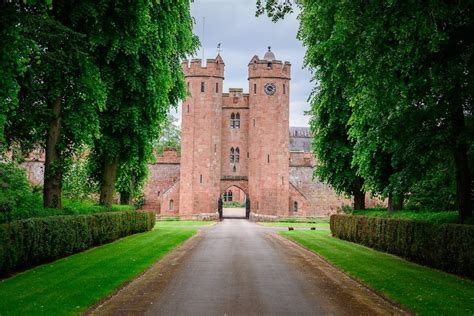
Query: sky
x,y
242,35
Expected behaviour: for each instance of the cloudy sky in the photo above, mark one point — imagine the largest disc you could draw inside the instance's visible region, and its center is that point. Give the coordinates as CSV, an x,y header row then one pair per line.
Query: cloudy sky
x,y
233,23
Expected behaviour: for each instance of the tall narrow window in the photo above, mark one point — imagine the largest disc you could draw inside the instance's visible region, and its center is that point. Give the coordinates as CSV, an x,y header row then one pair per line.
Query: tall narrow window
x,y
171,205
234,169
200,178
232,120
237,155
254,88
268,158
237,120
295,206
232,155
253,122
217,87
284,89
188,108
215,148
248,154
188,85
202,86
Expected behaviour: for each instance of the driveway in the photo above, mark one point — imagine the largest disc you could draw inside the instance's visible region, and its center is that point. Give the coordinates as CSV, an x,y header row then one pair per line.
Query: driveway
x,y
240,268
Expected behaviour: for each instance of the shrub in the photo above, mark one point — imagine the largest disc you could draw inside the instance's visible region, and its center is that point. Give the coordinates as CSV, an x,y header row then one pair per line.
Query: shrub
x,y
448,247
29,242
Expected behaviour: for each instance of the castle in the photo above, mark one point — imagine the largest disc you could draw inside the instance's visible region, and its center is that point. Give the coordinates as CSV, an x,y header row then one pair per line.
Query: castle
x,y
239,144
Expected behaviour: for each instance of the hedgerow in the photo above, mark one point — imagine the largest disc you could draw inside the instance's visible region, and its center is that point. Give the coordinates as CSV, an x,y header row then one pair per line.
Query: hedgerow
x,y
448,247
33,241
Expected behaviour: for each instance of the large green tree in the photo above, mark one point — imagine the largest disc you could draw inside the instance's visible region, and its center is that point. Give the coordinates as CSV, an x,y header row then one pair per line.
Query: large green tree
x,y
139,55
60,92
412,84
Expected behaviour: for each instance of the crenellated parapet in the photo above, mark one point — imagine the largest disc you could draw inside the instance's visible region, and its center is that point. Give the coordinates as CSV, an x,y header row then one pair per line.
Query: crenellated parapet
x,y
213,68
258,68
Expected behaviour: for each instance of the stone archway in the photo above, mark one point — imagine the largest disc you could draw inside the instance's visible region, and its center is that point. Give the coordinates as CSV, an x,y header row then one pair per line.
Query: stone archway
x,y
235,207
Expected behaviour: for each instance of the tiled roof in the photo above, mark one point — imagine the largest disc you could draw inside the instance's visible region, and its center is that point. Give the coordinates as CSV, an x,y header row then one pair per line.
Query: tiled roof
x,y
300,139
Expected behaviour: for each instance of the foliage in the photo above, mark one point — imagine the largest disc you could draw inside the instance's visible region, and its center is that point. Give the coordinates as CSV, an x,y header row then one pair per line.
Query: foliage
x,y
73,284
234,204
34,241
170,136
15,191
77,183
427,216
164,223
140,58
448,247
422,290
322,224
402,84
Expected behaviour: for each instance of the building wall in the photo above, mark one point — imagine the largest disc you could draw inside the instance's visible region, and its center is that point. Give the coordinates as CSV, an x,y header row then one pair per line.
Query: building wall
x,y
201,137
235,102
268,137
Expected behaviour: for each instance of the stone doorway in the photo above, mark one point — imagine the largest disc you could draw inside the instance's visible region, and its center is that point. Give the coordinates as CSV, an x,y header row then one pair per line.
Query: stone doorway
x,y
234,201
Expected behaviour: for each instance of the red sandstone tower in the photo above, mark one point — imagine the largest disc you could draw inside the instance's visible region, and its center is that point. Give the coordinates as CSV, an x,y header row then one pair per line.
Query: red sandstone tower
x,y
268,135
235,139
201,137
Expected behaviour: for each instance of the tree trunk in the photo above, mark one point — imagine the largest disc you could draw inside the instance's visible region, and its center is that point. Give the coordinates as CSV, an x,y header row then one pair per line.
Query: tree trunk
x,y
463,174
359,195
52,169
395,202
125,198
107,185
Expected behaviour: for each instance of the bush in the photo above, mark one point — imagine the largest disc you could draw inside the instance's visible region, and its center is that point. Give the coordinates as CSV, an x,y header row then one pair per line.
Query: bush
x,y
448,247
29,242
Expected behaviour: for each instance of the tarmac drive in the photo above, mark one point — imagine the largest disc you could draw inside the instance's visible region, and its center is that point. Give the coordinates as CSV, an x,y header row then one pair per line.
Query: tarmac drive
x,y
237,267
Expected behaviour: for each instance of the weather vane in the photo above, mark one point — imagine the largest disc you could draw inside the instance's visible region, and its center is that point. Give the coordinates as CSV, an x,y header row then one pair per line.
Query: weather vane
x,y
219,50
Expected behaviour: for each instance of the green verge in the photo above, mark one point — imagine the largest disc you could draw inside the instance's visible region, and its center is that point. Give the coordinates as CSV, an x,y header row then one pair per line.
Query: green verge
x,y
72,284
289,224
182,223
423,290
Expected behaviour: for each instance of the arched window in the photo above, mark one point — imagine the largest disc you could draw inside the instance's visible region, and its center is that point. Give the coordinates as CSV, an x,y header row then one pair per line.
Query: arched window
x,y
232,120
232,155
237,120
237,155
295,206
171,205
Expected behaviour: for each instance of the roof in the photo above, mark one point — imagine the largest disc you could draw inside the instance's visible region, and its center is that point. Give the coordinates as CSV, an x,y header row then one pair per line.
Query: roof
x,y
300,139
269,56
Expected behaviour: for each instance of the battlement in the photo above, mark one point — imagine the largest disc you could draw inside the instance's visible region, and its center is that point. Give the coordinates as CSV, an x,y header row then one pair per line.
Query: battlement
x,y
269,68
213,68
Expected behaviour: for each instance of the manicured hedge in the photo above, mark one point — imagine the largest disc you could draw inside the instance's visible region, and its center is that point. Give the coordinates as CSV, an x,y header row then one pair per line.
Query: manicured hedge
x,y
448,247
29,242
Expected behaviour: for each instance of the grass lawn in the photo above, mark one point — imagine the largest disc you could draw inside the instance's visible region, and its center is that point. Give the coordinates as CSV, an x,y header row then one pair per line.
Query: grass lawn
x,y
71,285
182,223
298,224
423,290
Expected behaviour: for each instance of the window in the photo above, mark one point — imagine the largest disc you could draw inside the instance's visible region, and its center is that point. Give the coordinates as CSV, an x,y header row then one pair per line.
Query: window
x,y
268,158
202,86
254,88
295,206
200,178
234,169
159,193
217,87
188,108
188,85
228,196
232,120
284,89
253,122
170,207
248,154
237,120
232,153
269,65
237,155
215,148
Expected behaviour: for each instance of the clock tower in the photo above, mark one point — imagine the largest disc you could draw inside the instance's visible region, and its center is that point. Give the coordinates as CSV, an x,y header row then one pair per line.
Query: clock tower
x,y
269,90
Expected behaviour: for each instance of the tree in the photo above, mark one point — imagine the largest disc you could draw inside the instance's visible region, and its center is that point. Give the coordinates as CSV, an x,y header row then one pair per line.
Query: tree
x,y
170,136
412,85
60,91
139,57
330,109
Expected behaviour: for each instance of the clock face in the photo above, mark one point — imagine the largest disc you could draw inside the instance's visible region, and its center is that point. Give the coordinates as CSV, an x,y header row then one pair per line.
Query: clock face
x,y
270,88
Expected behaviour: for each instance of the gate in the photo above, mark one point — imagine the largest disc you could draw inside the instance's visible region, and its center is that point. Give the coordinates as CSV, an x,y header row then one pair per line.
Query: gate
x,y
219,207
247,208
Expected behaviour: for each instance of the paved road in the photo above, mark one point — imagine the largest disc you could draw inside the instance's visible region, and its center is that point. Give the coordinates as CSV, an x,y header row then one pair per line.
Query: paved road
x,y
240,268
